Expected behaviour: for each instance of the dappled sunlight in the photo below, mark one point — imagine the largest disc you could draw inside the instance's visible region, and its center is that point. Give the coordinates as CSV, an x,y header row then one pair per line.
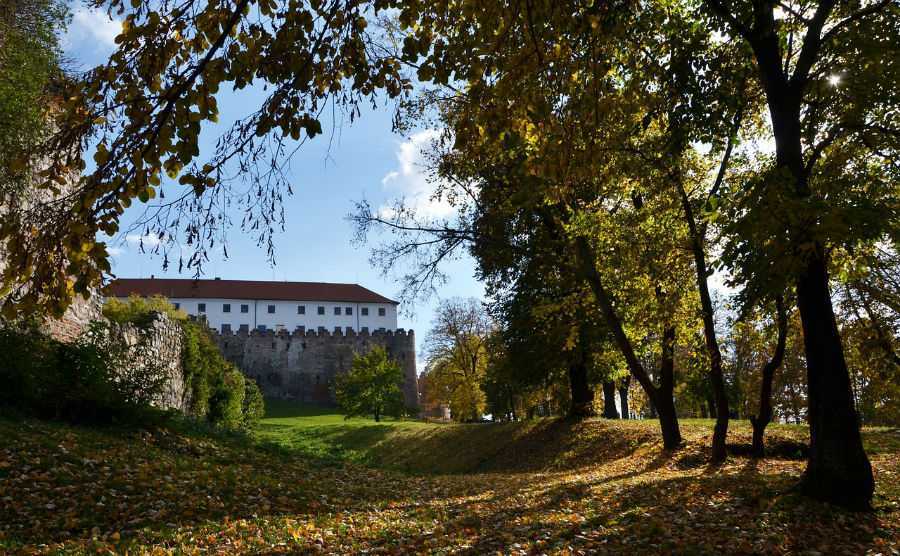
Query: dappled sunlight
x,y
118,490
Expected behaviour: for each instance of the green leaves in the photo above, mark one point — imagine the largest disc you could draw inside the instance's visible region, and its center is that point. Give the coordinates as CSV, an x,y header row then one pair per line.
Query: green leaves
x,y
372,386
149,102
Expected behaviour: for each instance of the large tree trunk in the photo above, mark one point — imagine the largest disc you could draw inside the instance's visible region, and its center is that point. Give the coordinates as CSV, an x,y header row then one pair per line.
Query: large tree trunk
x,y
838,470
668,421
623,396
609,400
764,417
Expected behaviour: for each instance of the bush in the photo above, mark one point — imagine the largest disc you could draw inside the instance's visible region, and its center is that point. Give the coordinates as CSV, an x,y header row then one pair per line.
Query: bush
x,y
254,405
227,401
140,311
219,391
96,379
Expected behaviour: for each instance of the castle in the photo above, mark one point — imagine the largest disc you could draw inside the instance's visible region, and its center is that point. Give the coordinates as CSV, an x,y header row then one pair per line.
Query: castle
x,y
291,337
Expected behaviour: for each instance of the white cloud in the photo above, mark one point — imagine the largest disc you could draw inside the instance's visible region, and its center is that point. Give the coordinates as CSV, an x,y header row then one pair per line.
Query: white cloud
x,y
92,33
115,251
411,179
149,240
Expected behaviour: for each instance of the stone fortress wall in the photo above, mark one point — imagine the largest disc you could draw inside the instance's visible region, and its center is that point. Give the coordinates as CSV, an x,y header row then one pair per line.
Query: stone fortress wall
x,y
301,365
165,339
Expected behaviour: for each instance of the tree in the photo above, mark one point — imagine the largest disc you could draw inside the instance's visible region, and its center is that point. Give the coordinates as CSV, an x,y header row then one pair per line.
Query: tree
x,y
868,293
372,386
30,74
457,357
533,97
799,57
764,416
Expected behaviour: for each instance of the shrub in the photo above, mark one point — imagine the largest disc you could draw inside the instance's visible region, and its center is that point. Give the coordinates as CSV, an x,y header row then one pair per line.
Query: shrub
x,y
140,311
219,391
227,401
102,378
254,405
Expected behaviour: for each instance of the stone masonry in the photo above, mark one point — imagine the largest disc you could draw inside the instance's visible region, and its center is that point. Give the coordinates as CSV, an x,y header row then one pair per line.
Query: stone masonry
x,y
302,365
164,338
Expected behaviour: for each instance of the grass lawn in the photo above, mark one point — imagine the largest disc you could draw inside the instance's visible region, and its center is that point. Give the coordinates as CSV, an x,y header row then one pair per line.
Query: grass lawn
x,y
310,482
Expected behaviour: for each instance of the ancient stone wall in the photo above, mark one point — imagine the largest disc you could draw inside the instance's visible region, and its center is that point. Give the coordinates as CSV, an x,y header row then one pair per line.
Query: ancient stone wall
x,y
163,338
302,365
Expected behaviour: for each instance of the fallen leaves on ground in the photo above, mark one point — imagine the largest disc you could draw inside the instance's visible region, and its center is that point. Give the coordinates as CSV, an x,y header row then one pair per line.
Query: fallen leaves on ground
x,y
75,490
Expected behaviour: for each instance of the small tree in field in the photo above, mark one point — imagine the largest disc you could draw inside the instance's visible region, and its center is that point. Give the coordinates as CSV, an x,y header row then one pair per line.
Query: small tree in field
x,y
371,387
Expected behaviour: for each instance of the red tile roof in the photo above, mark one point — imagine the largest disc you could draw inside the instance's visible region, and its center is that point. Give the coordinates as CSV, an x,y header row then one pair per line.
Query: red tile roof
x,y
244,289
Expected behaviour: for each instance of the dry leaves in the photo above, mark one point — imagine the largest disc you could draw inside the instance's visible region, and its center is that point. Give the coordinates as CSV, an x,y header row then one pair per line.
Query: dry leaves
x,y
73,490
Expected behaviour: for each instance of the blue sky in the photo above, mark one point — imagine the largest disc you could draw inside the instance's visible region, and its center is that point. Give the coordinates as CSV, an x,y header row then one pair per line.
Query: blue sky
x,y
364,161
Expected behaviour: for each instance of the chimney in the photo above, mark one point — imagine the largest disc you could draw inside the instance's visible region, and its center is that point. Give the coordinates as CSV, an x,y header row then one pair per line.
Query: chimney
x,y
217,278
152,277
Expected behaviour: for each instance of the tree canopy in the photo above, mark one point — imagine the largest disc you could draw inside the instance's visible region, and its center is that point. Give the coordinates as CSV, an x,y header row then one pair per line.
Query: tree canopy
x,y
372,386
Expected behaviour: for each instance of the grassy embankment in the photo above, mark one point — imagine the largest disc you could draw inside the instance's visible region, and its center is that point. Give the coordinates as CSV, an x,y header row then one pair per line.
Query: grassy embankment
x,y
298,486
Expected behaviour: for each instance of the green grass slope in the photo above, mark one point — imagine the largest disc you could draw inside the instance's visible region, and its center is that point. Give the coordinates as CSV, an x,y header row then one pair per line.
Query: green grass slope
x,y
539,445
548,486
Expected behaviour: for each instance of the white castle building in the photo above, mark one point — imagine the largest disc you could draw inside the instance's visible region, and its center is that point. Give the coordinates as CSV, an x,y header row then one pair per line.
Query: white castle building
x,y
235,305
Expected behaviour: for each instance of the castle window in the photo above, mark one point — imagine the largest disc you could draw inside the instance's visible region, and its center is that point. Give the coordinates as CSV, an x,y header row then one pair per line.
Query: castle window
x,y
348,330
245,308
365,311
321,329
261,327
382,311
365,329
177,306
337,310
201,307
337,329
301,309
271,309
348,310
225,329
321,310
226,307
244,328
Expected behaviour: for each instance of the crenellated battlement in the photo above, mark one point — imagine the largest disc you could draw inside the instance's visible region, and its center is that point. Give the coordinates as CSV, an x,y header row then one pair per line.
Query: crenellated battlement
x,y
302,332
